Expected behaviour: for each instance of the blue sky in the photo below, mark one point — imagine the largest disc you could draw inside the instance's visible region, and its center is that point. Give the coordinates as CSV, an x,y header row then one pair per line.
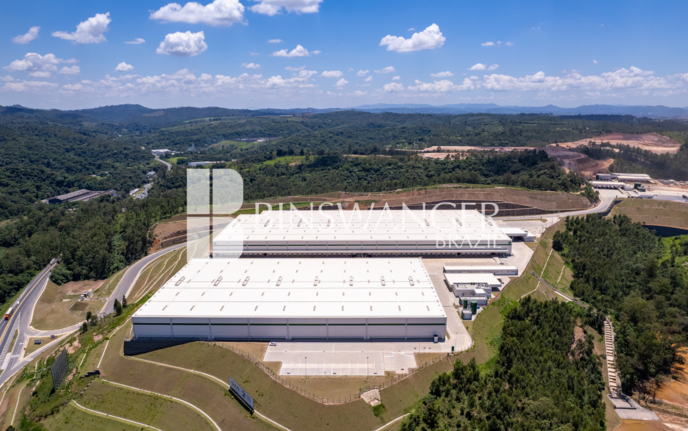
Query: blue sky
x,y
534,53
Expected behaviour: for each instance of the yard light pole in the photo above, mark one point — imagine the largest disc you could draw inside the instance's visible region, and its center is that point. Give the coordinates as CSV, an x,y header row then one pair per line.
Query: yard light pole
x,y
367,370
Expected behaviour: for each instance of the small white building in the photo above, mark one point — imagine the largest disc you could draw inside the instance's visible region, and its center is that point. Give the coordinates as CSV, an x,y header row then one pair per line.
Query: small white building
x,y
286,298
485,279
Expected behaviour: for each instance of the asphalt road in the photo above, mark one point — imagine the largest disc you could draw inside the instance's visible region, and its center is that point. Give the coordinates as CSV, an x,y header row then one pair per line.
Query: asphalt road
x,y
169,167
130,277
21,320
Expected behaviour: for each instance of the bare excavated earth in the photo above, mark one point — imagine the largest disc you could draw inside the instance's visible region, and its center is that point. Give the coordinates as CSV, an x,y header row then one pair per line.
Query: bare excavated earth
x,y
654,142
578,162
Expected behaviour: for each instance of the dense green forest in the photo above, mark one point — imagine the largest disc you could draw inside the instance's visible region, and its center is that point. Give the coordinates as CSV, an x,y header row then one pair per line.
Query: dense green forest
x,y
40,158
94,239
542,380
333,172
637,160
352,131
624,270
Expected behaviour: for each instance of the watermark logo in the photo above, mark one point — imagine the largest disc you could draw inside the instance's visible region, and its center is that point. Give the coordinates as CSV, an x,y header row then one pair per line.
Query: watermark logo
x,y
214,195
206,219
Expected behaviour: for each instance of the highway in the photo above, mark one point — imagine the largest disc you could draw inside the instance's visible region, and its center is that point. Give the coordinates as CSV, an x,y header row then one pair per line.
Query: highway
x,y
21,320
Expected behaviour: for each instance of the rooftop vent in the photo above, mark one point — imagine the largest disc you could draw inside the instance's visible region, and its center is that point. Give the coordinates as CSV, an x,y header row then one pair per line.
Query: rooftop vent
x,y
222,308
382,280
266,223
351,281
192,307
255,309
219,279
180,281
163,308
279,281
317,281
284,308
248,278
411,281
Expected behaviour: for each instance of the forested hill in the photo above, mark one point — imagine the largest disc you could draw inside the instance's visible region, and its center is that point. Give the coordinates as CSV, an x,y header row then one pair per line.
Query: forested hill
x,y
624,270
40,158
543,379
361,132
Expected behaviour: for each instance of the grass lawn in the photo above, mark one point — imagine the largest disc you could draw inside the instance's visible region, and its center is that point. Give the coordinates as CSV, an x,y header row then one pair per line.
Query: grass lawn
x,y
140,407
661,213
157,273
224,145
285,159
81,308
199,391
9,404
72,418
52,309
31,347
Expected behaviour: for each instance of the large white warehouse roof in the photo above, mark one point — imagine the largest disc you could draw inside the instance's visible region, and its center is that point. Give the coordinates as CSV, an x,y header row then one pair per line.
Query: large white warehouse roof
x,y
379,232
297,288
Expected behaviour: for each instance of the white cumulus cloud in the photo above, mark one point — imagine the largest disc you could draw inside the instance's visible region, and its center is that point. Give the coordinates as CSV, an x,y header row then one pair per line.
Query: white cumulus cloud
x,y
478,66
392,87
299,51
89,31
594,61
430,38
359,93
369,79
362,72
39,74
71,70
28,86
487,44
251,65
294,69
388,69
331,74
123,67
396,78
446,74
493,67
33,62
217,13
275,41
28,37
341,83
137,41
183,44
273,7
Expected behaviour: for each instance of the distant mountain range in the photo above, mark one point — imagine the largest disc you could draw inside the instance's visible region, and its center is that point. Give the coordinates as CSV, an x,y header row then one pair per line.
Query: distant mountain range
x,y
142,116
491,108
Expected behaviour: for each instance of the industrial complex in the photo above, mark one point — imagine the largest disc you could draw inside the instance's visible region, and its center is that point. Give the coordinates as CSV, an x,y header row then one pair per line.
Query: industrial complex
x,y
321,276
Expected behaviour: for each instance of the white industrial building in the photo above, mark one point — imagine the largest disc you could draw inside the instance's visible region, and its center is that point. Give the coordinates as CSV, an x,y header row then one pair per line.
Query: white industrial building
x,y
639,178
362,233
489,280
291,298
611,185
479,269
